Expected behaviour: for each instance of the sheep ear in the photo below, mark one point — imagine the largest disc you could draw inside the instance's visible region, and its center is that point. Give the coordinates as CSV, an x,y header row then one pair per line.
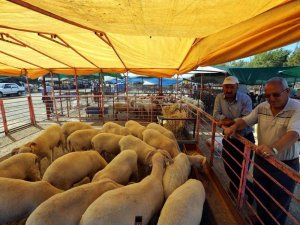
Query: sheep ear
x,y
148,158
32,145
15,151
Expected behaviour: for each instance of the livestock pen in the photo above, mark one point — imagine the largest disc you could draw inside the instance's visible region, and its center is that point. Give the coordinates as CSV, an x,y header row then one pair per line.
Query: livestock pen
x,y
198,134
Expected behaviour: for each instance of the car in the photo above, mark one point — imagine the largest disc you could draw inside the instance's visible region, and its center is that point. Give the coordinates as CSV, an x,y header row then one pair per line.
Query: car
x,y
48,89
11,89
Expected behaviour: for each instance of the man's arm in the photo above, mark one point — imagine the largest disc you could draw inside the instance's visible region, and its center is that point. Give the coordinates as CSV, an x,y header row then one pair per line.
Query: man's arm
x,y
282,144
218,114
239,124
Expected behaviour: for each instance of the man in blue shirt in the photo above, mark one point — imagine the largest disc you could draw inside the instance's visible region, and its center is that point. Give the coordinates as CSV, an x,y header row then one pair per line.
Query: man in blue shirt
x,y
230,105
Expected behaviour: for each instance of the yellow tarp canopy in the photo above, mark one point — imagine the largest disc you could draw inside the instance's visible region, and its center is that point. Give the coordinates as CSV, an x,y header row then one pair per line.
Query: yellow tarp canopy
x,y
149,37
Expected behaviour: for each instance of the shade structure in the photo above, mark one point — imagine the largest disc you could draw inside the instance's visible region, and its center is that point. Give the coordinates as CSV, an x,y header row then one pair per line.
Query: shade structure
x,y
149,37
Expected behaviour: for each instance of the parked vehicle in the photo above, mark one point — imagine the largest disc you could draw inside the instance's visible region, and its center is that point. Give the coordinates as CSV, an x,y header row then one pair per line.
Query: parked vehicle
x,y
11,89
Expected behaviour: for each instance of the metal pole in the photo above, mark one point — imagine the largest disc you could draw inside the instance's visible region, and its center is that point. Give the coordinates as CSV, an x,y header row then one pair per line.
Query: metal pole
x,y
77,95
212,145
3,117
61,107
244,172
53,100
27,82
176,94
45,98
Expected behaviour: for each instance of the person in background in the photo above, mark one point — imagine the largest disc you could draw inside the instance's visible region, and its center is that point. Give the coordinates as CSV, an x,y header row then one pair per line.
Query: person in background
x,y
228,106
278,122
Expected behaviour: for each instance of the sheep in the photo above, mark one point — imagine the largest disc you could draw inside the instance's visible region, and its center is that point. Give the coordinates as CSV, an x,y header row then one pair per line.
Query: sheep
x,y
122,205
156,139
119,107
120,168
197,160
81,139
71,168
67,207
44,144
135,128
184,205
19,198
69,127
162,130
176,174
143,150
114,128
23,166
106,142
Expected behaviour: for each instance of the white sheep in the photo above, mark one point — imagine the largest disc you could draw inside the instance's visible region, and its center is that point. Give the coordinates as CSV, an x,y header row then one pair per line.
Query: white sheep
x,y
143,150
135,128
197,160
156,139
162,130
44,144
23,166
69,127
19,198
67,208
71,168
114,128
122,205
176,174
81,139
120,168
106,142
184,205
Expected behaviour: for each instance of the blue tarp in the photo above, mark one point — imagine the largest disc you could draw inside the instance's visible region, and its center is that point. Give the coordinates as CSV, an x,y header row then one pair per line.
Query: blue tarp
x,y
154,81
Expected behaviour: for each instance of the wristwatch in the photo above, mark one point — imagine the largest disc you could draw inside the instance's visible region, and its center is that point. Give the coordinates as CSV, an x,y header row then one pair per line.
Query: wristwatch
x,y
275,151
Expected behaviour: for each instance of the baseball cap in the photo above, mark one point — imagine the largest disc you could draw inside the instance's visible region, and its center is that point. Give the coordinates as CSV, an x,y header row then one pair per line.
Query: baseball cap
x,y
230,80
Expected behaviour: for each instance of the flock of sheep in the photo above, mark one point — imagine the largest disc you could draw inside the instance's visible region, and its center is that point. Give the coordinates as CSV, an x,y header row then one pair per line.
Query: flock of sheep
x,y
146,175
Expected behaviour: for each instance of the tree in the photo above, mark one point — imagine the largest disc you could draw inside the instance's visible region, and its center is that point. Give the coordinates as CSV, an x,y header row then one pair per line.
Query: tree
x,y
275,58
294,58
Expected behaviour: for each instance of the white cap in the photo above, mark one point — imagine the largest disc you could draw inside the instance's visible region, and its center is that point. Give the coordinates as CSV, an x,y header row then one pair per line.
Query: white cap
x,y
230,80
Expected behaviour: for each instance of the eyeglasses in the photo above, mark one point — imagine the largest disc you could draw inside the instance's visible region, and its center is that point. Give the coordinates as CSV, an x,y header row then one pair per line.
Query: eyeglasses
x,y
275,95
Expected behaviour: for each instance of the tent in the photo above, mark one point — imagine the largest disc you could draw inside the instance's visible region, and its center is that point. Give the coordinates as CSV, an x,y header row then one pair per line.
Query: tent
x,y
150,37
258,76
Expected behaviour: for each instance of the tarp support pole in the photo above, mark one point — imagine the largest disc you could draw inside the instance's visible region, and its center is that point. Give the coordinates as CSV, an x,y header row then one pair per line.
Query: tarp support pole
x,y
128,102
27,82
52,99
45,98
77,94
30,104
59,86
176,94
3,117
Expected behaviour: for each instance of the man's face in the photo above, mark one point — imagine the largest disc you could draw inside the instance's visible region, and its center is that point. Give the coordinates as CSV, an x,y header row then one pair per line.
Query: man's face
x,y
230,90
276,95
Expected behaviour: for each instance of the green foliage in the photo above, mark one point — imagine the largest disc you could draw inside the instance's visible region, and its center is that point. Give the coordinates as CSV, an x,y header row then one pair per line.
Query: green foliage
x,y
294,58
275,58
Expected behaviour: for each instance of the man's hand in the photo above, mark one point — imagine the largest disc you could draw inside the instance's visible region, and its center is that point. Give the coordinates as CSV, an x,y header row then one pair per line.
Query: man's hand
x,y
264,151
229,131
225,122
